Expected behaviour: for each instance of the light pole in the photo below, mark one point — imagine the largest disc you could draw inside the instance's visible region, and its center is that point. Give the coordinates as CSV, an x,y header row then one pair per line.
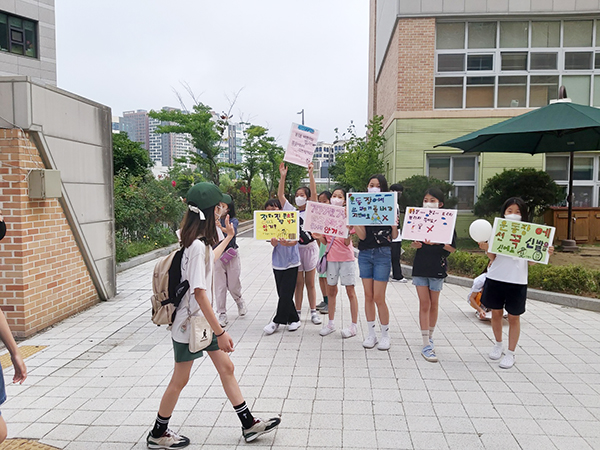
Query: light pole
x,y
301,112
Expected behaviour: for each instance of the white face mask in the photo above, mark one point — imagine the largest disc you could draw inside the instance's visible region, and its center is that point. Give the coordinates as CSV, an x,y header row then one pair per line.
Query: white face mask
x,y
515,217
300,201
431,205
337,201
373,189
219,211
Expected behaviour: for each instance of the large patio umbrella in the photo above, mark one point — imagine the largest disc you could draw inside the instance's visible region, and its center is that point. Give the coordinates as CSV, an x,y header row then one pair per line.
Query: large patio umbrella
x,y
559,127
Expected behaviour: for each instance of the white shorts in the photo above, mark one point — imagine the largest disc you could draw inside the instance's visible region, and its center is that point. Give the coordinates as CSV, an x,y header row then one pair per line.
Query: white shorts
x,y
309,256
344,270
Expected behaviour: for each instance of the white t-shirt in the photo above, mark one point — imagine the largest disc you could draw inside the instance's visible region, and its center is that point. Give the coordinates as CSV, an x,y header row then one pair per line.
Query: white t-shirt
x,y
478,283
509,270
193,269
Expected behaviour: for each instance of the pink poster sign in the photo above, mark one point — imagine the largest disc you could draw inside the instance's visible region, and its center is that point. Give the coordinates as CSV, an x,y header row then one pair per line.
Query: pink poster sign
x,y
301,146
325,219
435,225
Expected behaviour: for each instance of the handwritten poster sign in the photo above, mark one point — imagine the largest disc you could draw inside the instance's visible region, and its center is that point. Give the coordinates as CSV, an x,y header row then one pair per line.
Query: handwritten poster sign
x,y
301,146
325,219
523,240
276,224
372,208
435,225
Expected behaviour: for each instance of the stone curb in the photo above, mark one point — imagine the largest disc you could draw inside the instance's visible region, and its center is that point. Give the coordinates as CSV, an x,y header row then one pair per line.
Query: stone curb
x,y
159,253
572,301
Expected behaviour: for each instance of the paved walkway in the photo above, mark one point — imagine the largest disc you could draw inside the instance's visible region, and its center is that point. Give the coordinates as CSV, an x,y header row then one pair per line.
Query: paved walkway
x,y
98,383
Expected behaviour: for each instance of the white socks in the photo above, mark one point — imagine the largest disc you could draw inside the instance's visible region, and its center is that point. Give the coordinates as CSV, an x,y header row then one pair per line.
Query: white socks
x,y
371,327
425,336
385,330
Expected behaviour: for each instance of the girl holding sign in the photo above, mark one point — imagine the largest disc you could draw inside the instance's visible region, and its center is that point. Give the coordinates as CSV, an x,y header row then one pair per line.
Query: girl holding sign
x,y
429,271
308,247
340,266
374,265
506,287
324,197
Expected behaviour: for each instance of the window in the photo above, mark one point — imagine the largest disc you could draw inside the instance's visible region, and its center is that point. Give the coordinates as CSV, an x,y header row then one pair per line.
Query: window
x,y
18,35
512,92
459,170
586,177
518,63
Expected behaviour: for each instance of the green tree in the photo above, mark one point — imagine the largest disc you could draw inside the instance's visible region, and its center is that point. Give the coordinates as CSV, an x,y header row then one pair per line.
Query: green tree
x,y
205,133
130,157
293,181
254,140
362,157
415,187
271,157
535,187
184,176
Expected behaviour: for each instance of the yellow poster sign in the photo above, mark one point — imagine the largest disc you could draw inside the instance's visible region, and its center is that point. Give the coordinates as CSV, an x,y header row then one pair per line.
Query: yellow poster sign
x,y
276,224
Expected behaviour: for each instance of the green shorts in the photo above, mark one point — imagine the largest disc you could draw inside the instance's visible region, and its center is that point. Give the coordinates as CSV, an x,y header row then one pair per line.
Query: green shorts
x,y
182,351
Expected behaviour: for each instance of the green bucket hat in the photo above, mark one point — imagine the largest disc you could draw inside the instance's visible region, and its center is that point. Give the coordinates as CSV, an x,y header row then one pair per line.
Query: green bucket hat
x,y
204,195
227,199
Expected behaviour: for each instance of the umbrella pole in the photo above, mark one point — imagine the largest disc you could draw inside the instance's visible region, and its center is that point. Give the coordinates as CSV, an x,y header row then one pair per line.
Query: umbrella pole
x,y
569,244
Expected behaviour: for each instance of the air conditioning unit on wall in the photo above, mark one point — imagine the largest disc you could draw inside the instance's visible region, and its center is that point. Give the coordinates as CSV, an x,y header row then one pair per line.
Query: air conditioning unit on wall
x,y
44,183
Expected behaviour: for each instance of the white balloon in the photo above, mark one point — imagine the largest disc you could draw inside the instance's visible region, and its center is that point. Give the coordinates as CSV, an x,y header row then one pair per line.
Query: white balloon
x,y
480,230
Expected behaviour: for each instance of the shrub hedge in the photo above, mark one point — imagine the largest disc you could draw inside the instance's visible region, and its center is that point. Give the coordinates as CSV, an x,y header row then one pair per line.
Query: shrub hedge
x,y
571,279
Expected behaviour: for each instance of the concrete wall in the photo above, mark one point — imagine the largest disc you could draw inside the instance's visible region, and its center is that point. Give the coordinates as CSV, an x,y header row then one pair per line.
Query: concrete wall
x,y
43,68
73,135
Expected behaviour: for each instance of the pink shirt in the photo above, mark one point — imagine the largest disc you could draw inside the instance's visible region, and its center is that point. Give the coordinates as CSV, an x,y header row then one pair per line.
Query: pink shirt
x,y
339,251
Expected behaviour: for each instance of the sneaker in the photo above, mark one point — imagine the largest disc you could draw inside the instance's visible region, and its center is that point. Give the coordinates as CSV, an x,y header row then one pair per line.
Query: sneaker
x,y
327,329
294,326
169,439
401,280
223,319
384,343
508,361
324,310
349,332
321,305
429,354
271,328
260,427
496,352
314,317
242,310
370,341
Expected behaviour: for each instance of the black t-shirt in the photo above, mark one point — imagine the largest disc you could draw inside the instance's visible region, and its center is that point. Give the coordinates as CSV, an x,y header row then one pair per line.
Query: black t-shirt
x,y
430,260
2,229
377,236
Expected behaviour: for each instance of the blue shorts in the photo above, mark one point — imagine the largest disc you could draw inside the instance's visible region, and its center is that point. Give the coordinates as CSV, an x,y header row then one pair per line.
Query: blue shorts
x,y
434,284
375,263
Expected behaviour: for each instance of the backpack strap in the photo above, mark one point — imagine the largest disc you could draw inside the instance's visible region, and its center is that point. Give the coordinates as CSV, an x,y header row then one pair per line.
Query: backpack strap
x,y
330,245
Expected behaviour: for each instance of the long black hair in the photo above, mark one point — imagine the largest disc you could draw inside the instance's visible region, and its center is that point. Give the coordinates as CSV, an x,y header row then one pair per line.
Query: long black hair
x,y
520,204
383,184
231,208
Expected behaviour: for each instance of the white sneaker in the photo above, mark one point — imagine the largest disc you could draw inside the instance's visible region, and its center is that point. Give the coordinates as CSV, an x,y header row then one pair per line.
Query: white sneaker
x,y
496,352
327,329
508,361
294,326
223,319
314,318
349,332
168,440
271,328
370,341
242,310
384,343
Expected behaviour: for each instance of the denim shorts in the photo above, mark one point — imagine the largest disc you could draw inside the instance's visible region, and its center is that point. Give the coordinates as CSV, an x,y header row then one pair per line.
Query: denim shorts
x,y
375,263
434,284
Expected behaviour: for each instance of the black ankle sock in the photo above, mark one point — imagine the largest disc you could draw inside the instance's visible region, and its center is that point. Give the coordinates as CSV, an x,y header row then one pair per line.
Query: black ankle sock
x,y
326,300
160,426
245,415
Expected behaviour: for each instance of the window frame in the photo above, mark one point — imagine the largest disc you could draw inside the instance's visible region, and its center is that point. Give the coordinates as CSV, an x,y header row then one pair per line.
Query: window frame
x,y
497,71
23,30
459,183
594,183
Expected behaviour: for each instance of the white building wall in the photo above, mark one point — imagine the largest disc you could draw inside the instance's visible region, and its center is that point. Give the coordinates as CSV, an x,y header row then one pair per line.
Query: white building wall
x,y
43,68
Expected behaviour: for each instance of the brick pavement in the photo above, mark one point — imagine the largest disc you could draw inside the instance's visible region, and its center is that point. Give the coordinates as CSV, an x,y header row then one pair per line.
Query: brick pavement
x,y
98,383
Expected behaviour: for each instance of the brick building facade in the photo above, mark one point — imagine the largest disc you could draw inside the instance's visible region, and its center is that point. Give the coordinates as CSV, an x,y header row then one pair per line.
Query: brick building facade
x,y
43,275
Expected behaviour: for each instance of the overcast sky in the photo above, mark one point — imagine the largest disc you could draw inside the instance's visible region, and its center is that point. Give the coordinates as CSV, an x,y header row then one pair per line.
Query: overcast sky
x,y
283,55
